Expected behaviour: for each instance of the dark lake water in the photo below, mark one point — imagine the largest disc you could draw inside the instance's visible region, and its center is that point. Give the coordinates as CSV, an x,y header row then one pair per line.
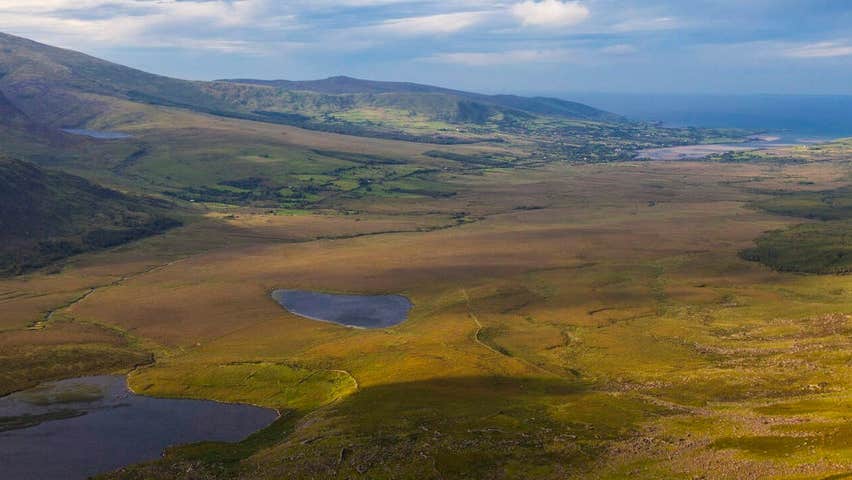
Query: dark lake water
x,y
360,311
93,425
98,134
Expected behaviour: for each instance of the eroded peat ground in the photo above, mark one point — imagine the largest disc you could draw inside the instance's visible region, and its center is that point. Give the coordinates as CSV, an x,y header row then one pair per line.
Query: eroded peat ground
x,y
584,321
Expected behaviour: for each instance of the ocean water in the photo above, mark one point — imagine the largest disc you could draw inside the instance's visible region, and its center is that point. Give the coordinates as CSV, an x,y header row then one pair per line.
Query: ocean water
x,y
793,117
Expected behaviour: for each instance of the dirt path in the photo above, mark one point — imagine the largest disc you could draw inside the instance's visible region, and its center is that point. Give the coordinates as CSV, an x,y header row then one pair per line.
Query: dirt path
x,y
478,340
479,326
348,374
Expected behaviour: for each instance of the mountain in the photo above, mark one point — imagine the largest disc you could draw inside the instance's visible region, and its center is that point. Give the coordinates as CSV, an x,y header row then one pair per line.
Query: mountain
x,y
342,85
64,88
47,215
61,88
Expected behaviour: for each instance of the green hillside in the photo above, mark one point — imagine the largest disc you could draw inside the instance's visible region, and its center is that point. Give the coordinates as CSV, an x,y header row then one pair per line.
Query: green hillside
x,y
55,86
391,93
62,88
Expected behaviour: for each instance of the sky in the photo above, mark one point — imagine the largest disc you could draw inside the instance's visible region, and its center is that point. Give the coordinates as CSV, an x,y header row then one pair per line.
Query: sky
x,y
491,46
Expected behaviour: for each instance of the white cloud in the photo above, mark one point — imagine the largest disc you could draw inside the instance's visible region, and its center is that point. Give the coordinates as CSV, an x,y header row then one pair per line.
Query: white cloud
x,y
222,12
485,59
431,24
820,50
647,24
550,13
198,25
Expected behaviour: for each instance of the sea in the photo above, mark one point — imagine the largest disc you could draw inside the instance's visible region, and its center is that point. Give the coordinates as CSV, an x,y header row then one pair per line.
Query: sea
x,y
794,118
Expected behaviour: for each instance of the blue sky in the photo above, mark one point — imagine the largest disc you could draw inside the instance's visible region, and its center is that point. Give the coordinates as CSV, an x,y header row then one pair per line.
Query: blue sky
x,y
520,46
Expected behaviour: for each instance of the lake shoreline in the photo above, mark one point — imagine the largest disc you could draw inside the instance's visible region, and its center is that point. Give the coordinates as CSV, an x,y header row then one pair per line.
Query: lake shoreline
x,y
69,417
347,310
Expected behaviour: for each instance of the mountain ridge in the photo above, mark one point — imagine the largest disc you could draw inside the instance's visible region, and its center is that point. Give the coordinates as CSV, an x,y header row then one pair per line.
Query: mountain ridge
x,y
62,88
342,85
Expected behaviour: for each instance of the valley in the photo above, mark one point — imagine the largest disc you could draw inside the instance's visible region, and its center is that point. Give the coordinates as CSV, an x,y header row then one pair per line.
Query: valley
x,y
577,312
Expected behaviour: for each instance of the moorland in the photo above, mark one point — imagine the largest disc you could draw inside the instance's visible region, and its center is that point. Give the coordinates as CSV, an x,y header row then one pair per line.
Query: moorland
x,y
578,312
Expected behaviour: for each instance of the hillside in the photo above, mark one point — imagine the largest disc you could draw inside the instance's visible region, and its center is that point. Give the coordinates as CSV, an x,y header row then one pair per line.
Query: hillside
x,y
62,88
342,85
47,215
223,142
11,115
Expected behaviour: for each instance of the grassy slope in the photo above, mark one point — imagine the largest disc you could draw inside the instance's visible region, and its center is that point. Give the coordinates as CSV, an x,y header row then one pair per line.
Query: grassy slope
x,y
599,351
48,84
401,95
188,153
593,336
62,88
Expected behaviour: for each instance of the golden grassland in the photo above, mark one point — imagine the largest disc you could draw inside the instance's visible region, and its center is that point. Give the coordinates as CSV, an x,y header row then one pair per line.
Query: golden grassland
x,y
584,321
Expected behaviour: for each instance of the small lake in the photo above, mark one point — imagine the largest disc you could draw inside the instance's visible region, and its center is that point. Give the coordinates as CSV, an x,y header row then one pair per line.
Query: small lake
x,y
98,134
73,429
359,311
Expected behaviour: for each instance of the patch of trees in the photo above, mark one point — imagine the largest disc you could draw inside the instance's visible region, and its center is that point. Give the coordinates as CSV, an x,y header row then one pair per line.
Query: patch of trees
x,y
824,247
262,194
46,215
21,257
824,205
753,157
485,160
473,112
361,158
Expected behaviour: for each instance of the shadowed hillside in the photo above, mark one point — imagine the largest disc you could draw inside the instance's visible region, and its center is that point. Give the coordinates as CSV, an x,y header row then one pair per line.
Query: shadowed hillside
x,y
63,88
46,215
11,115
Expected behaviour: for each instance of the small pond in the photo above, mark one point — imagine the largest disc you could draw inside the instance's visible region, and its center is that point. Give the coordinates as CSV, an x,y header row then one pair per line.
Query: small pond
x,y
73,429
359,311
98,134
